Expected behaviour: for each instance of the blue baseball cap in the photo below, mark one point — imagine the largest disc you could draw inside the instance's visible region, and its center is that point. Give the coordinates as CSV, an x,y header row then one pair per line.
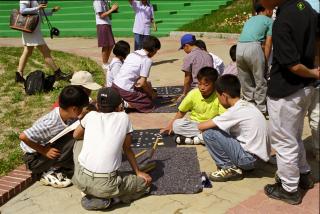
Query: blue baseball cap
x,y
187,38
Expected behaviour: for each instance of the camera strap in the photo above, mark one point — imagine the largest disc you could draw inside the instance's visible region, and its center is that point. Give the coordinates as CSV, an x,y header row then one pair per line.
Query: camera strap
x,y
48,22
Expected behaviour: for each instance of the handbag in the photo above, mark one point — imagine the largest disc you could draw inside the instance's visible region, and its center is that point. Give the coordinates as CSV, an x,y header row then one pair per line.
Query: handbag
x,y
25,23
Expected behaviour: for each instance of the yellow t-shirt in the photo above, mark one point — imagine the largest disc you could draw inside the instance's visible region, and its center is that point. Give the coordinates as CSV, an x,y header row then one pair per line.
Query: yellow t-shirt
x,y
201,109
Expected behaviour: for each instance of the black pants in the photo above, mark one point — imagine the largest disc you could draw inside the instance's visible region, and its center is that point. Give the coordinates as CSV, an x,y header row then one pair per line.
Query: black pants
x,y
38,163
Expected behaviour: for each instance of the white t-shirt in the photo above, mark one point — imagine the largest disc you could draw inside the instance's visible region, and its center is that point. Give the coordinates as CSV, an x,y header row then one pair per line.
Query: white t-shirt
x,y
136,65
101,6
103,139
217,63
246,123
112,70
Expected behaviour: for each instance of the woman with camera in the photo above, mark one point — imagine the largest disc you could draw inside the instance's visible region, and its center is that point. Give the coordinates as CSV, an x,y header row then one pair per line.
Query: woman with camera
x,y
35,39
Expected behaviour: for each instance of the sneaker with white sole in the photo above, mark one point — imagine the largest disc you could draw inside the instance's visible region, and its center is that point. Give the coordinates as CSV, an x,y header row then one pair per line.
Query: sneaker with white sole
x,y
198,139
55,179
89,202
229,174
184,140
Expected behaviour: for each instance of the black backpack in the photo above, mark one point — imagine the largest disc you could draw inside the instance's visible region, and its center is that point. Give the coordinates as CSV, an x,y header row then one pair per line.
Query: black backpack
x,y
36,82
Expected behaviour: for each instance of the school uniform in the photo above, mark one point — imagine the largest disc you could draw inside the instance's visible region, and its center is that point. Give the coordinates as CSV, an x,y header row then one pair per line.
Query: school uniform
x,y
217,63
99,156
240,137
251,60
104,30
194,61
112,70
142,22
289,95
136,65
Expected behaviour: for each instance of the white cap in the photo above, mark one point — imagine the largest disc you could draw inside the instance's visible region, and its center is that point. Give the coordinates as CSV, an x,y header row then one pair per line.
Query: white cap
x,y
84,78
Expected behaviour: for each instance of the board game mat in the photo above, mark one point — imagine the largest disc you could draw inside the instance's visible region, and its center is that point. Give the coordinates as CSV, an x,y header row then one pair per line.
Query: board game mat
x,y
145,139
177,170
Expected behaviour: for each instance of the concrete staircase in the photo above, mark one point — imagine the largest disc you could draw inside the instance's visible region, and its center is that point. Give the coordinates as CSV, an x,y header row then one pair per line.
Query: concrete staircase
x,y
76,18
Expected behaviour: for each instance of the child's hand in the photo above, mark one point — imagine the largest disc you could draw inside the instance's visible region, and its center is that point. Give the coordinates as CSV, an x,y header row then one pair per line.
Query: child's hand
x,y
42,6
167,129
115,7
55,9
145,177
51,153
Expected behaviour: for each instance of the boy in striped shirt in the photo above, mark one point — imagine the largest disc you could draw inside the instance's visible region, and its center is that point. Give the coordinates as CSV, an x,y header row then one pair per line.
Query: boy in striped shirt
x,y
48,159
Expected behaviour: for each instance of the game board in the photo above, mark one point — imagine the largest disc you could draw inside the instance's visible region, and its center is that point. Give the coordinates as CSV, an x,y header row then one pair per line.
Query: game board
x,y
146,138
169,90
177,170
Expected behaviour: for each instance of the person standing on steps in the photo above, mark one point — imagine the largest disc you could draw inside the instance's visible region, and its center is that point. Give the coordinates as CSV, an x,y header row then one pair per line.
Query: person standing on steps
x,y
35,39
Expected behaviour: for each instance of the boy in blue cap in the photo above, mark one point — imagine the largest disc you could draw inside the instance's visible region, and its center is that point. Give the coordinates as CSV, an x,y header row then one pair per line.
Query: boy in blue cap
x,y
192,63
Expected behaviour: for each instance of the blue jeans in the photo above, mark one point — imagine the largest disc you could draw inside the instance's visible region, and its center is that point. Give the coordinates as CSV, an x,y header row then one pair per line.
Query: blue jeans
x,y
138,39
227,151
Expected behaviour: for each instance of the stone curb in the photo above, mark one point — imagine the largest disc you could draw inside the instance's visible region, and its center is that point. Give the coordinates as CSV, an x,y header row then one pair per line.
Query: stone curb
x,y
208,35
15,182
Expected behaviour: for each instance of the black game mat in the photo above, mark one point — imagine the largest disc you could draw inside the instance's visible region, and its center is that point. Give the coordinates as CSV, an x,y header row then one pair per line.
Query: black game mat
x,y
177,170
165,104
145,139
169,90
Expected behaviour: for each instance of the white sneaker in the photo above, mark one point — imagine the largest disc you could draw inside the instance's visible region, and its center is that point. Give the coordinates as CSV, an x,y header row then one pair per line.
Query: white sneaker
x,y
55,179
184,140
198,139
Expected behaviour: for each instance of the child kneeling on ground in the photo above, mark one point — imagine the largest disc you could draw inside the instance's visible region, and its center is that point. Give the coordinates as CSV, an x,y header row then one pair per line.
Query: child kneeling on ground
x,y
238,137
131,81
52,160
202,103
121,51
106,134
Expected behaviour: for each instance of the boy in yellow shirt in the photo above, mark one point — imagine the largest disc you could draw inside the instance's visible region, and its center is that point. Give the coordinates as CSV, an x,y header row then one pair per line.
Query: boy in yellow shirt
x,y
202,103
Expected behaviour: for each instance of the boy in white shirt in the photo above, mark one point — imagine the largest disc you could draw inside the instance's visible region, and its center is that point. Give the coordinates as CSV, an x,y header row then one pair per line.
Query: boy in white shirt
x,y
121,51
131,81
236,138
106,134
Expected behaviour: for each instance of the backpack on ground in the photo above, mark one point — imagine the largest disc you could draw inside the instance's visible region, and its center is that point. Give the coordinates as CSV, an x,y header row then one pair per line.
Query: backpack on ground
x,y
36,82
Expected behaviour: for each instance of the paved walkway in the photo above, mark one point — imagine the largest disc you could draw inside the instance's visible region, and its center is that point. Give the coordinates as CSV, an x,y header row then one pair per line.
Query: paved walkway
x,y
243,196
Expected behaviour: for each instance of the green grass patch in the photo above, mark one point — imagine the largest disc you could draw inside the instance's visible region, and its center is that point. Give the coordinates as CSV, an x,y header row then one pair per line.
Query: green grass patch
x,y
229,19
17,110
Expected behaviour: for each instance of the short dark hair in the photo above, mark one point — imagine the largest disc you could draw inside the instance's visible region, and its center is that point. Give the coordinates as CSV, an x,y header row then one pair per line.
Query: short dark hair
x,y
151,44
258,7
121,48
201,44
232,52
208,73
228,84
73,95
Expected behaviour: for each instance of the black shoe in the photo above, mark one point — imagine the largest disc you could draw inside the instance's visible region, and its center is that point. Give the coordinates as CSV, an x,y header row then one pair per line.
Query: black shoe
x,y
306,182
59,75
89,202
19,78
276,191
